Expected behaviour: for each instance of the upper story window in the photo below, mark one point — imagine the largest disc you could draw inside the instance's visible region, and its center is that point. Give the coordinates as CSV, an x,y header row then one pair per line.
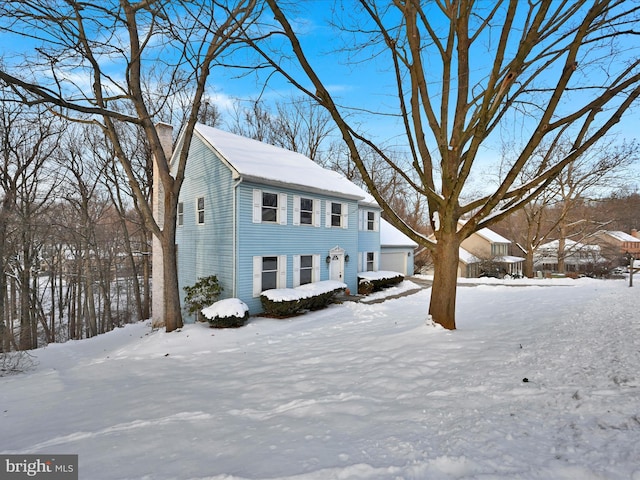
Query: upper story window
x,y
200,210
306,211
336,214
269,207
499,249
369,220
180,214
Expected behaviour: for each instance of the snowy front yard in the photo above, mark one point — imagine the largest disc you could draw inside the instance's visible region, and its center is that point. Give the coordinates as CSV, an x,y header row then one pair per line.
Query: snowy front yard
x,y
356,391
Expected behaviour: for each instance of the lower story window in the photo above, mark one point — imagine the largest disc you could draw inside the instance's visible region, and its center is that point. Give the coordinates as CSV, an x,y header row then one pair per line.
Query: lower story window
x,y
370,267
306,269
269,273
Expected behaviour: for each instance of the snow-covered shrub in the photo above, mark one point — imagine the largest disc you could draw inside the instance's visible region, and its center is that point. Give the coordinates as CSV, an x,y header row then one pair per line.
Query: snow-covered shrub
x,y
203,293
285,302
227,313
365,287
377,281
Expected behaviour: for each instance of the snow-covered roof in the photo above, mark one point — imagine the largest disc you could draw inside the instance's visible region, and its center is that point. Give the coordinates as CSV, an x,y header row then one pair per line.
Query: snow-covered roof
x,y
467,257
508,259
487,234
622,236
569,245
257,161
390,236
492,236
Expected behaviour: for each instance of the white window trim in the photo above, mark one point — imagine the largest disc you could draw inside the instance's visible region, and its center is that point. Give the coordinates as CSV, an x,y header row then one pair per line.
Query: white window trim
x,y
363,262
180,214
297,210
315,269
363,220
198,222
344,215
281,281
281,210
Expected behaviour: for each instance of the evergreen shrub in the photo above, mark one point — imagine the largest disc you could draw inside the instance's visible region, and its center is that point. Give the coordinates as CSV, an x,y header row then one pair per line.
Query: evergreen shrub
x,y
201,294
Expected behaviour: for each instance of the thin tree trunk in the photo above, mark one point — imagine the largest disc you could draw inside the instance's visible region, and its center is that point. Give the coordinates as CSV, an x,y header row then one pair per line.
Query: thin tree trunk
x,y
146,277
173,315
561,252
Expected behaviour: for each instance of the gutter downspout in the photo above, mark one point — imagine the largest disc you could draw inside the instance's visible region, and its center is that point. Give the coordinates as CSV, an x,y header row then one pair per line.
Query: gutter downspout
x,y
235,237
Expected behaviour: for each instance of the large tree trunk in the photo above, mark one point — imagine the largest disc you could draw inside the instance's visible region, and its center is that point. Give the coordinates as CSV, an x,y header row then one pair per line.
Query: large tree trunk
x,y
443,292
166,310
527,267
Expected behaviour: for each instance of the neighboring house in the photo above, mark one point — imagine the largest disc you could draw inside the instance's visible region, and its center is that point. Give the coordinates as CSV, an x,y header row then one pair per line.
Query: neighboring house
x,y
396,249
615,243
578,257
486,253
260,217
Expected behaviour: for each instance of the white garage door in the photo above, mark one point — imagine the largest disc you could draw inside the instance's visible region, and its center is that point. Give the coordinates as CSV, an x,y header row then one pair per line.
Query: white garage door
x,y
395,262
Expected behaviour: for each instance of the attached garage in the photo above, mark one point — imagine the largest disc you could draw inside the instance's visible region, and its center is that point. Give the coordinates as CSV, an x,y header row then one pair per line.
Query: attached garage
x,y
394,261
396,250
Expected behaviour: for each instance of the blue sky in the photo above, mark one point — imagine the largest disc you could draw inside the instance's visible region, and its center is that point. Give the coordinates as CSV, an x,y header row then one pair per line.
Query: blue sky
x,y
365,85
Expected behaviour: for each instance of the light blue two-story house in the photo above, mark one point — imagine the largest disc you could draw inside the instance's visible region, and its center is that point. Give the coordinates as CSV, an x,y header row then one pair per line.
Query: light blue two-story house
x,y
261,217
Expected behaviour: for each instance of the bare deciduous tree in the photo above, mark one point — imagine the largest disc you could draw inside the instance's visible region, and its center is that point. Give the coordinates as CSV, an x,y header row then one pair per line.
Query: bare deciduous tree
x,y
463,72
556,213
94,62
28,140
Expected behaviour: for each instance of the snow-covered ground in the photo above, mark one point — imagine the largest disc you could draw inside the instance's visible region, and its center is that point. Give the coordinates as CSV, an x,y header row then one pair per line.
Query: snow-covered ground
x,y
355,391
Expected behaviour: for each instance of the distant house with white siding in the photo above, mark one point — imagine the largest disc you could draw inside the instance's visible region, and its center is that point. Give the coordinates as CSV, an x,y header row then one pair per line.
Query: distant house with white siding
x,y
261,217
577,256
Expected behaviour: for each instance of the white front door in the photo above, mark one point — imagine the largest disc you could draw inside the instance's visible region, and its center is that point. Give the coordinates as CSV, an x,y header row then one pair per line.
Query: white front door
x,y
336,265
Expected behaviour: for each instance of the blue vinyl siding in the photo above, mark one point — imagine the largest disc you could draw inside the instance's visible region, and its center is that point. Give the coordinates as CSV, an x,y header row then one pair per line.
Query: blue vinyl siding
x,y
269,239
368,240
206,249
226,246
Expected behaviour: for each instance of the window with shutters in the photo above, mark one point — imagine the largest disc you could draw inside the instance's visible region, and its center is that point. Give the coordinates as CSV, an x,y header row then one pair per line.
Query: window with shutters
x,y
371,221
306,211
371,264
336,214
269,273
306,269
269,207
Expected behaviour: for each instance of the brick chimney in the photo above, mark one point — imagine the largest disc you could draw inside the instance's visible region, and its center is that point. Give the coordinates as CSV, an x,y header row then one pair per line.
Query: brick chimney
x,y
634,233
165,133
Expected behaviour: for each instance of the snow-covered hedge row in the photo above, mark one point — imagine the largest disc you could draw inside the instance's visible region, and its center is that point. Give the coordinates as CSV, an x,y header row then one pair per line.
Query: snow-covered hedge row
x,y
369,282
283,302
